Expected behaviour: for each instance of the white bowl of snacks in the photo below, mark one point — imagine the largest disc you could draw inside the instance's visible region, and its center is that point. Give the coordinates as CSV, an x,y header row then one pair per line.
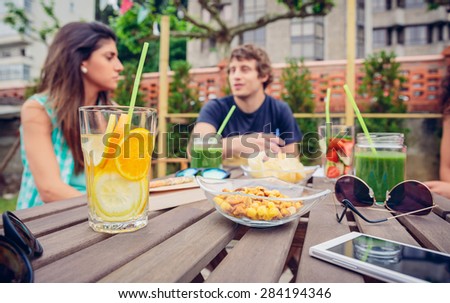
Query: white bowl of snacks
x,y
261,202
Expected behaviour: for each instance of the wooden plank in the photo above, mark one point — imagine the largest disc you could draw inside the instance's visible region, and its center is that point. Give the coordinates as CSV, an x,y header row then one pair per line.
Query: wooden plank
x,y
67,241
323,226
49,208
259,256
431,230
180,258
171,199
76,237
443,205
391,229
104,257
58,221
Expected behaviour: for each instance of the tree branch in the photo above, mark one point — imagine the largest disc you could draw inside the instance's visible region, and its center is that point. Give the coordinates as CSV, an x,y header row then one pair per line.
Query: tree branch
x,y
193,20
270,18
181,34
214,12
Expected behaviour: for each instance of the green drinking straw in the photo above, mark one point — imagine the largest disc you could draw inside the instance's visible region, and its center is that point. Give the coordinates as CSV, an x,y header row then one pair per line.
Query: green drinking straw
x,y
360,118
327,118
327,106
137,80
225,121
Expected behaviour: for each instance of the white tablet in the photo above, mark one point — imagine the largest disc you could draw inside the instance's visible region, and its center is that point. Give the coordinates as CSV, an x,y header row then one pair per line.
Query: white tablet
x,y
384,259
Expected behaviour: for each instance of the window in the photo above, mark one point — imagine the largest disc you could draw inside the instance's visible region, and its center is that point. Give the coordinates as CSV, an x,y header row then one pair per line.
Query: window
x,y
6,52
226,13
381,5
400,35
251,10
415,35
27,5
430,34
414,3
307,38
379,38
14,72
360,12
440,32
72,7
360,42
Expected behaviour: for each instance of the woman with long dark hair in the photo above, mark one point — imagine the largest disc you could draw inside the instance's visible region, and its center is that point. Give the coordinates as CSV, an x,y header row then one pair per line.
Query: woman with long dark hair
x,y
442,186
82,65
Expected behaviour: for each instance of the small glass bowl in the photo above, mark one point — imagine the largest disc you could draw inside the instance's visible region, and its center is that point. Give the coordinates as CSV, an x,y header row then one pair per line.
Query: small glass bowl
x,y
300,177
253,210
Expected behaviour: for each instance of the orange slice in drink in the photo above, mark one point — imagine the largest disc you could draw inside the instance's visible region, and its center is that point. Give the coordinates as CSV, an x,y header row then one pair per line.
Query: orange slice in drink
x,y
114,133
133,162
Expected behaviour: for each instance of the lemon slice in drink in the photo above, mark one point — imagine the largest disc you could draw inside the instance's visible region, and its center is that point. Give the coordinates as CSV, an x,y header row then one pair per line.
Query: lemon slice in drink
x,y
118,199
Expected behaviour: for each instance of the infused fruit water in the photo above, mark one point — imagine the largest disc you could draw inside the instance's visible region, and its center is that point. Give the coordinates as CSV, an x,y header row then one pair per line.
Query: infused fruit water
x,y
337,157
117,164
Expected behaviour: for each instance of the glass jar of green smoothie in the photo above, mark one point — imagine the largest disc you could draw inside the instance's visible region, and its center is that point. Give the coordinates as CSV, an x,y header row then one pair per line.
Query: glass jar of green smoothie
x,y
206,152
382,165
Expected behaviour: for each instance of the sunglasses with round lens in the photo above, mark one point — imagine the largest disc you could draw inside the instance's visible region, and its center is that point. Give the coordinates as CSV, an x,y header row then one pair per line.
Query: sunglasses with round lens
x,y
17,247
409,197
212,173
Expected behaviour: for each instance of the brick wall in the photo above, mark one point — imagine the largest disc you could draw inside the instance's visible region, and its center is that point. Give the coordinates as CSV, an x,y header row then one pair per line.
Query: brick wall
x,y
422,89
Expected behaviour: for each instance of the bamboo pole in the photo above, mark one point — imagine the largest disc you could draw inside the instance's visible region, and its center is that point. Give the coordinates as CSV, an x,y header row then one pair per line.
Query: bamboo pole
x,y
163,95
350,70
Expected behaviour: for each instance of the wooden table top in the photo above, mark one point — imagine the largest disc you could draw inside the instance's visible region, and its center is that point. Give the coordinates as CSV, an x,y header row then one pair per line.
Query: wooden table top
x,y
191,242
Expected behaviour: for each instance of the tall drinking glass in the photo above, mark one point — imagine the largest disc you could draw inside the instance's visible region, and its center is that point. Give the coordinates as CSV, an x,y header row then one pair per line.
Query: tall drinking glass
x,y
206,152
337,153
117,153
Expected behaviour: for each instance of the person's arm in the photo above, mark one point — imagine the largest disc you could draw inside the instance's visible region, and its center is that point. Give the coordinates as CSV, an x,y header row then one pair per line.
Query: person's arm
x,y
241,146
439,187
289,129
40,154
444,170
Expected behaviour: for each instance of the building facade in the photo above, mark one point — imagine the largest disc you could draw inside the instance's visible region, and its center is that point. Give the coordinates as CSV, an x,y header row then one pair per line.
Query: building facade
x,y
403,26
22,57
408,28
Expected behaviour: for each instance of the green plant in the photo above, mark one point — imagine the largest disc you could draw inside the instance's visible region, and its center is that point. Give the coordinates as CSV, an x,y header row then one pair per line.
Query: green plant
x,y
298,94
8,204
122,94
382,84
182,99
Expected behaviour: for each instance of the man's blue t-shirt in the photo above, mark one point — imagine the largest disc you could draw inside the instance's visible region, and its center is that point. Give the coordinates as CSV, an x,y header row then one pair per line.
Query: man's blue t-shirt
x,y
271,115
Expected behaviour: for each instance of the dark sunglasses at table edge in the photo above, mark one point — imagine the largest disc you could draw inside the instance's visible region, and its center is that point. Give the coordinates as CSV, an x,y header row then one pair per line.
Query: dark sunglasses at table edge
x,y
6,243
433,204
202,172
402,182
33,248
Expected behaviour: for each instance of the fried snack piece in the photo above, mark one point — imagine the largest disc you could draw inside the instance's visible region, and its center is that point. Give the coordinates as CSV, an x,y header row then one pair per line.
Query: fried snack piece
x,y
265,208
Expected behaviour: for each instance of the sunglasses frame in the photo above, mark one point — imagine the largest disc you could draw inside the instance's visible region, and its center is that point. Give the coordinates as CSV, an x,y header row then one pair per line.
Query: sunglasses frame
x,y
26,249
347,204
6,243
201,171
